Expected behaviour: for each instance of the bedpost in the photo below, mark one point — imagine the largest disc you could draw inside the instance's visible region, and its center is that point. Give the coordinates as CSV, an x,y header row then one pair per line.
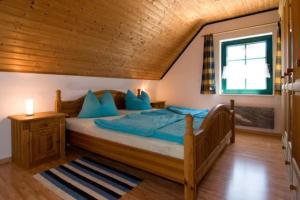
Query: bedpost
x,y
232,140
190,189
58,101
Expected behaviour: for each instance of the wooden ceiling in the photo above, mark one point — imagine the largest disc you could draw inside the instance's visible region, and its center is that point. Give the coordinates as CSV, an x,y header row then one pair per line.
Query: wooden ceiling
x,y
108,38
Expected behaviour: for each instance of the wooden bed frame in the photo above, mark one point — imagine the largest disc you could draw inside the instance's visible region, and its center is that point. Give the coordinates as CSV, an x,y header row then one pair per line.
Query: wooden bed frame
x,y
201,148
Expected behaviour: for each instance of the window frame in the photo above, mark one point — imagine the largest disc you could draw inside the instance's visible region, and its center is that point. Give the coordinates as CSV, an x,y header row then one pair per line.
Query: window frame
x,y
269,57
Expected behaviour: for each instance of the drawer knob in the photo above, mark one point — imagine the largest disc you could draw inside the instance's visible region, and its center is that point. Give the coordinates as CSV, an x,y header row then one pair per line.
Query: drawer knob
x,y
287,162
292,187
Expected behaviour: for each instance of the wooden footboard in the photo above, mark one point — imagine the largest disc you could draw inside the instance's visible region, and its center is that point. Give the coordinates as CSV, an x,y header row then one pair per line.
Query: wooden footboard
x,y
202,148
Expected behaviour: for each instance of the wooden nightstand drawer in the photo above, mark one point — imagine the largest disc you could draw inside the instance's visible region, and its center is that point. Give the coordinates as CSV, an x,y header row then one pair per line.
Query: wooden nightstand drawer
x,y
41,124
37,139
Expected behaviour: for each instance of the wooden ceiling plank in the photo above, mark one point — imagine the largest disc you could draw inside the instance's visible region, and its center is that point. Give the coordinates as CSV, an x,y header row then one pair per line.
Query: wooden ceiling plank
x,y
129,39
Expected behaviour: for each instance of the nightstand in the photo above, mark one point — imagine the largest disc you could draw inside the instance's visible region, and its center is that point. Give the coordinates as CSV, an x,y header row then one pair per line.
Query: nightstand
x,y
37,139
158,104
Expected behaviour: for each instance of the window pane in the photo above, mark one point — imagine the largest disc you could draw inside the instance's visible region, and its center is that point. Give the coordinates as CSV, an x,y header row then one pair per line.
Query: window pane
x,y
235,83
234,73
256,50
253,83
239,63
257,68
256,62
257,74
236,52
234,69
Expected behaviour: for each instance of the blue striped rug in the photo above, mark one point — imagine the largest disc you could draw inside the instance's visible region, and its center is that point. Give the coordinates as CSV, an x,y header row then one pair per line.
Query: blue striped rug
x,y
86,178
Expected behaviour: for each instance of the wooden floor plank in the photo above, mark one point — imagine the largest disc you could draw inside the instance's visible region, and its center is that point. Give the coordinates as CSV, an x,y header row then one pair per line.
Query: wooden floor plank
x,y
252,168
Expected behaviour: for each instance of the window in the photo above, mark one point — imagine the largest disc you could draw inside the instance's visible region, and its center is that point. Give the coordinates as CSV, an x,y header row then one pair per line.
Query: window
x,y
247,66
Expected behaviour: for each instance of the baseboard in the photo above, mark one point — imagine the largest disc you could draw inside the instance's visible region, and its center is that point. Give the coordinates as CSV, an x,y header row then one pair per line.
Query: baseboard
x,y
5,160
273,134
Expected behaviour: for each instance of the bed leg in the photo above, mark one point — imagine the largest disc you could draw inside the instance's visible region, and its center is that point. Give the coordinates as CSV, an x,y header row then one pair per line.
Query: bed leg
x,y
232,140
190,192
190,186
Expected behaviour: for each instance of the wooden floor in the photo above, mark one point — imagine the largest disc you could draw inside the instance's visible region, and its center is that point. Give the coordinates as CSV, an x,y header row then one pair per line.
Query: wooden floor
x,y
251,169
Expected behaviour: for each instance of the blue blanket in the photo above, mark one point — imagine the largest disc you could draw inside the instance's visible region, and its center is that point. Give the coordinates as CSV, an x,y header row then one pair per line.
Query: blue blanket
x,y
162,124
184,111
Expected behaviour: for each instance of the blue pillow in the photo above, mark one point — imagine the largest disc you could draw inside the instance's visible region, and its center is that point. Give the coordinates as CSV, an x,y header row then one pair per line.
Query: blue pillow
x,y
145,97
108,106
134,102
92,107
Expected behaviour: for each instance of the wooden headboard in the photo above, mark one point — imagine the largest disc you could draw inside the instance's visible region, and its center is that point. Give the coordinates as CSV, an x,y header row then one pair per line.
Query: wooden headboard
x,y
72,108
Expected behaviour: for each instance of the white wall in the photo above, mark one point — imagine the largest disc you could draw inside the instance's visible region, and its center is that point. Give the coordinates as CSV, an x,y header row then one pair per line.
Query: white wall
x,y
181,85
16,87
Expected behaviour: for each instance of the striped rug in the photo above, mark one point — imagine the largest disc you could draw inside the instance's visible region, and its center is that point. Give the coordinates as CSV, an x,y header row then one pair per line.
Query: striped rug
x,y
86,178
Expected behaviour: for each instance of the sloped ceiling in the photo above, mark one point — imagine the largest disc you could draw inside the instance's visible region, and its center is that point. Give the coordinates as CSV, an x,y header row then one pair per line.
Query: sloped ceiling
x,y
108,38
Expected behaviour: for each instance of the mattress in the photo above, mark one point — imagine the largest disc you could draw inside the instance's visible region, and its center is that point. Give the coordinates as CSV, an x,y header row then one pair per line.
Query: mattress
x,y
88,127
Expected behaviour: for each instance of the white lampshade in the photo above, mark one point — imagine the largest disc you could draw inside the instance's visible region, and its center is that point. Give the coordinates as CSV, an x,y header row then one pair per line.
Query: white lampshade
x,y
29,107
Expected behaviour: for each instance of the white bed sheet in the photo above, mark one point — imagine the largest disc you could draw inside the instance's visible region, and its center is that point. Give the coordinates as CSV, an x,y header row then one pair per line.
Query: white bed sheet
x,y
87,126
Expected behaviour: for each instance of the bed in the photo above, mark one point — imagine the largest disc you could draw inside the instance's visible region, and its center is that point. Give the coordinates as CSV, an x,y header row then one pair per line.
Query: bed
x,y
186,164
